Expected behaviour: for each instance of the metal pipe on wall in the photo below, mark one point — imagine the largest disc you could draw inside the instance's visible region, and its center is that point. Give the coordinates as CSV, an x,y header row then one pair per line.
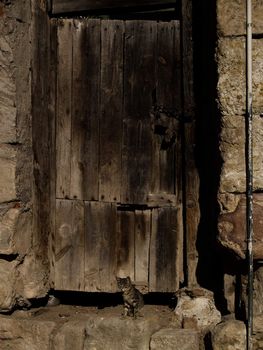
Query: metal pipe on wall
x,y
249,172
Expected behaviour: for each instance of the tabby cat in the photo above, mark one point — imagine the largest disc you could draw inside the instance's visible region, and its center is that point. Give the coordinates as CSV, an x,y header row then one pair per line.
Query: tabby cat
x,y
132,297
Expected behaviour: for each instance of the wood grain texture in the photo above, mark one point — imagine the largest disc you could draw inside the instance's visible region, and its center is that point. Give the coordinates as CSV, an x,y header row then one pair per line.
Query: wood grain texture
x,y
52,134
111,110
168,95
139,84
92,110
62,6
164,249
125,247
100,247
63,115
79,113
69,245
142,243
191,189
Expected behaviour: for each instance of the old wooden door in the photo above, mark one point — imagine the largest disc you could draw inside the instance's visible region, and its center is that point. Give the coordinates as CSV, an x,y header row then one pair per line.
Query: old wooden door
x,y
118,160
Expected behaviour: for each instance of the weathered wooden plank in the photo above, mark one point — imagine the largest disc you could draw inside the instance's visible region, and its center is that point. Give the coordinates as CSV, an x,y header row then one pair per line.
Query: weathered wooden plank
x,y
192,211
142,243
52,134
111,110
168,95
69,245
125,244
62,6
35,158
63,117
100,247
163,275
78,106
91,90
139,85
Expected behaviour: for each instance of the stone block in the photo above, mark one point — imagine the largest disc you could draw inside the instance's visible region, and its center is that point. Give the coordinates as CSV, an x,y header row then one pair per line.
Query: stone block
x,y
70,336
230,292
229,335
201,309
231,17
15,229
257,294
33,278
172,338
8,173
120,334
231,58
7,94
7,285
232,228
24,334
232,148
258,332
8,220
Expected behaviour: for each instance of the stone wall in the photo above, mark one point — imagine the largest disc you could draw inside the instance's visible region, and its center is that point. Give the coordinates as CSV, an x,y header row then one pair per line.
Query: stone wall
x,y
22,276
231,92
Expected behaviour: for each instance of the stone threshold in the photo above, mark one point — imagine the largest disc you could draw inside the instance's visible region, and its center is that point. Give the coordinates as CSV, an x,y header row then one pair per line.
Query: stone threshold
x,y
87,328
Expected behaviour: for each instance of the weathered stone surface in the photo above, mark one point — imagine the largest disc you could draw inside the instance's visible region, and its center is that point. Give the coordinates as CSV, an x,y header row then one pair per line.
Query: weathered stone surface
x,y
79,328
229,292
232,147
7,285
25,335
7,174
258,332
231,17
231,58
8,221
228,202
200,308
33,280
118,334
229,335
257,293
71,336
15,229
7,93
172,338
232,228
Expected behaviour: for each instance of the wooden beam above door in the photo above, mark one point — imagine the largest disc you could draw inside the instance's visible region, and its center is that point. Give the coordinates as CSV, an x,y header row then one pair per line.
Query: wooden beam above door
x,y
66,6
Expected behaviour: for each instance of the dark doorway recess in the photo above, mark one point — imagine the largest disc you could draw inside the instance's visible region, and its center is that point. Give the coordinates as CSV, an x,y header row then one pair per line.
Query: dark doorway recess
x,y
211,266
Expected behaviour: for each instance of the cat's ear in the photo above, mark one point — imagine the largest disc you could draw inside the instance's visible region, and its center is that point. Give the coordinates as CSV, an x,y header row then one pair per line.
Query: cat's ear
x,y
129,279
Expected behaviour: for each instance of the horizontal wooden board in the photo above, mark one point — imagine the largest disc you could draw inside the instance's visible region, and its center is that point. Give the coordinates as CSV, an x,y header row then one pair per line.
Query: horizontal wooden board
x,y
63,6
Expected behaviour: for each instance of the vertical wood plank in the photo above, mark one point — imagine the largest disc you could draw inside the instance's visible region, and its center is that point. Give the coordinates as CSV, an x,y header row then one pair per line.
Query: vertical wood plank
x,y
168,95
91,88
142,242
63,118
139,86
69,245
164,251
111,110
100,247
85,109
125,250
191,188
78,108
52,119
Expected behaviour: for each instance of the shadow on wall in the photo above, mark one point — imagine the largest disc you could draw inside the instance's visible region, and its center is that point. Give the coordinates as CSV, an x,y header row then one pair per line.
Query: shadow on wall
x,y
210,269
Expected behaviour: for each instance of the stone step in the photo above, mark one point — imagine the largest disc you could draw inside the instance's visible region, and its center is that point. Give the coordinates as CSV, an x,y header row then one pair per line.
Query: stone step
x,y
175,339
79,328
